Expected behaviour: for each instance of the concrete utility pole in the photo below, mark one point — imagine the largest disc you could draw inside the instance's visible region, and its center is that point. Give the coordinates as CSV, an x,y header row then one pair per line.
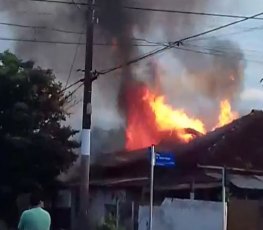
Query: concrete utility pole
x,y
86,122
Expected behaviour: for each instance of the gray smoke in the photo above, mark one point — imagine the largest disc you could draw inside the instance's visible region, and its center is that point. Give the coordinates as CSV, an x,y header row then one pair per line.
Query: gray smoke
x,y
107,141
185,75
219,74
50,16
213,71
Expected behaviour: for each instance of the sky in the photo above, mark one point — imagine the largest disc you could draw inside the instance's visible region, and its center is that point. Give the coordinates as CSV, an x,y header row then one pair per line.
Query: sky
x,y
248,35
250,42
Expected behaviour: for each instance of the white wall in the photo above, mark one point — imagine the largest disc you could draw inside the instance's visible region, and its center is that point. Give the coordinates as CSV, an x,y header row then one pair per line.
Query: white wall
x,y
183,215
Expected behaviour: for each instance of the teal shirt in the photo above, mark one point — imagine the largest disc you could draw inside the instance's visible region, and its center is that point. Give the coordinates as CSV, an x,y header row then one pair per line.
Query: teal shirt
x,y
35,219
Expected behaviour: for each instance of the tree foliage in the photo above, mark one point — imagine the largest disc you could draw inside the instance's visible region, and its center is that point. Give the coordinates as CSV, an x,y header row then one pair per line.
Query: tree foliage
x,y
34,145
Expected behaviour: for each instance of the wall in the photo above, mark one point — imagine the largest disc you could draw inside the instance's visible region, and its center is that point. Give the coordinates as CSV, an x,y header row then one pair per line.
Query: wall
x,y
245,215
183,214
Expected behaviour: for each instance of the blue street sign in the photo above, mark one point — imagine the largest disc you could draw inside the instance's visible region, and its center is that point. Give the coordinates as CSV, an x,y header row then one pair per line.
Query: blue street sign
x,y
165,159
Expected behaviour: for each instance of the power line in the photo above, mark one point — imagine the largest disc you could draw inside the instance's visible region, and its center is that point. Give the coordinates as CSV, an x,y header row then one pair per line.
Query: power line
x,y
188,12
29,12
71,85
70,42
73,61
64,31
152,9
245,30
39,28
218,53
40,41
223,49
177,44
190,44
74,91
215,53
135,39
74,103
103,72
73,3
220,27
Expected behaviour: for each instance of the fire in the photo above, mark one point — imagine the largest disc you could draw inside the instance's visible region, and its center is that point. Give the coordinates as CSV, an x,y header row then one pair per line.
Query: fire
x,y
226,115
166,118
150,119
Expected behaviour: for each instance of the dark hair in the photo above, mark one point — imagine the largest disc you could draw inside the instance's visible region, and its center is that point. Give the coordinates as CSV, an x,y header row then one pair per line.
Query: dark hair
x,y
35,198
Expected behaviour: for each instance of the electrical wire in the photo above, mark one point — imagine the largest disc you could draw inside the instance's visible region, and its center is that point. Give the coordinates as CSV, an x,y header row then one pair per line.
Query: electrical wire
x,y
135,39
74,91
70,95
103,72
219,53
73,61
128,7
73,2
71,85
177,44
246,30
70,42
220,27
223,49
29,12
215,53
188,12
39,28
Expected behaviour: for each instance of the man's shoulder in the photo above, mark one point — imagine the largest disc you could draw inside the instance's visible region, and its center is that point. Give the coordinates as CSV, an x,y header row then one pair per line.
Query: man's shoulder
x,y
45,212
34,210
26,212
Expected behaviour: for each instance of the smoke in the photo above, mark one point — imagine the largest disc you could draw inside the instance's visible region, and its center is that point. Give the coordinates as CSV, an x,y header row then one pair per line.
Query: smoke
x,y
212,71
105,141
207,78
219,75
50,16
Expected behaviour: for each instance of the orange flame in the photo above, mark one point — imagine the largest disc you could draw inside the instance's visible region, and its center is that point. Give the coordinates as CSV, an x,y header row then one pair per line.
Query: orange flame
x,y
167,118
151,119
226,115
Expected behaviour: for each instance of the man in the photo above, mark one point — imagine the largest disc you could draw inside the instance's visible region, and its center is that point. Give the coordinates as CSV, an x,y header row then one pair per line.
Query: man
x,y
35,218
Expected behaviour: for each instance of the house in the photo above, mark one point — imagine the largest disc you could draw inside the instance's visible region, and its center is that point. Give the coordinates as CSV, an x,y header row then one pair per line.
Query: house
x,y
120,181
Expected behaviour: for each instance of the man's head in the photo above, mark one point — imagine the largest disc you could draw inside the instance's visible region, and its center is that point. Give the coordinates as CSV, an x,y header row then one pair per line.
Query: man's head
x,y
36,199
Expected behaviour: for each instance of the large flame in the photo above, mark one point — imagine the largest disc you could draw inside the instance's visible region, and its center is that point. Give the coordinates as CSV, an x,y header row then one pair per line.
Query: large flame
x,y
226,115
150,118
166,118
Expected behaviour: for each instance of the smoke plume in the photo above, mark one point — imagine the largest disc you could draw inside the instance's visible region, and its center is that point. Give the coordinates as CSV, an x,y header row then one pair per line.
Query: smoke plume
x,y
184,74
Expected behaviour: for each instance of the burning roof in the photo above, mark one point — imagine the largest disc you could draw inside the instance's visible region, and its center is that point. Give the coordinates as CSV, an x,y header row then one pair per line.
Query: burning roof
x,y
236,145
150,119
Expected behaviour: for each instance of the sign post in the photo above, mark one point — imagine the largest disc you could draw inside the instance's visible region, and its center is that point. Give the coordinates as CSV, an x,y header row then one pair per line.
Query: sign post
x,y
224,198
151,187
161,160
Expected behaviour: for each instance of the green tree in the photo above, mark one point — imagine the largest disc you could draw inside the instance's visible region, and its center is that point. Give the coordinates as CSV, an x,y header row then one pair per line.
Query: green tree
x,y
34,145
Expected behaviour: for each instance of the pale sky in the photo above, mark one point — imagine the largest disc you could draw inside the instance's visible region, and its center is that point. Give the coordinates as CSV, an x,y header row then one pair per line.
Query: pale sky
x,y
251,43
248,35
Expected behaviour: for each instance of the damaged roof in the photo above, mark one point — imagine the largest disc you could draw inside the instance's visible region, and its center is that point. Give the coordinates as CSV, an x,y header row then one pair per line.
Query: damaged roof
x,y
236,145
